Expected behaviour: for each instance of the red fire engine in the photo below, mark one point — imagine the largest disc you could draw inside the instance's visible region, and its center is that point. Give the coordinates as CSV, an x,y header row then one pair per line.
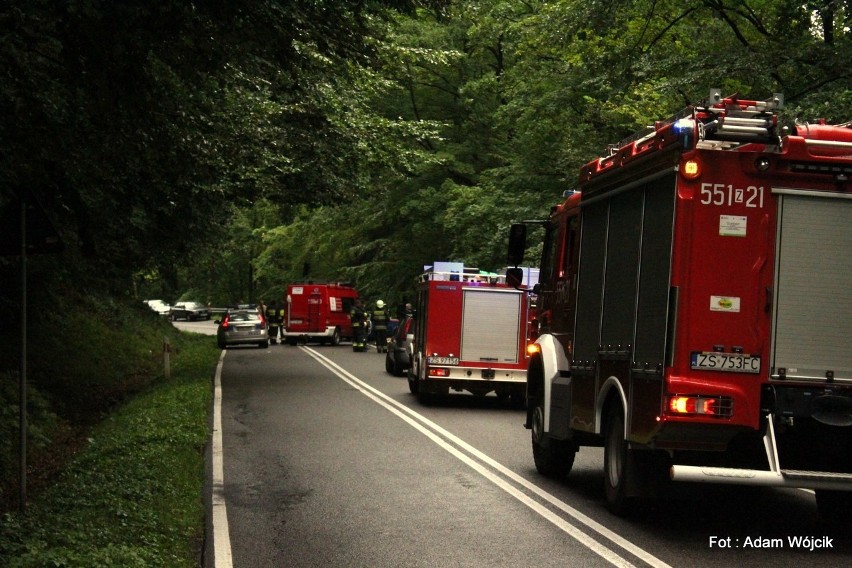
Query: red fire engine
x,y
471,335
318,312
694,309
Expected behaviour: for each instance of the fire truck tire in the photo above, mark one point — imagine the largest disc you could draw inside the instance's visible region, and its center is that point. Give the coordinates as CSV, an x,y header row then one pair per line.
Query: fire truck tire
x,y
335,338
618,464
553,458
391,365
413,380
834,507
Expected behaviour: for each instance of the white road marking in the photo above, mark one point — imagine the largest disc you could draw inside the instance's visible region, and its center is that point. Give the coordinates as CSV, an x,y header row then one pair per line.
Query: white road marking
x,y
434,432
221,535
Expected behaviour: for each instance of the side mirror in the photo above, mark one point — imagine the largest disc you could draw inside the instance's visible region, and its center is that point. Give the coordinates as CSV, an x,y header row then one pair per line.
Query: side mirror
x,y
517,244
514,277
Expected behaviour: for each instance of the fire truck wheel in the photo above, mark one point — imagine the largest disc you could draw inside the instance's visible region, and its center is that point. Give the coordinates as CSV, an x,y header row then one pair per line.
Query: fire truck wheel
x,y
335,338
834,507
618,464
413,381
553,458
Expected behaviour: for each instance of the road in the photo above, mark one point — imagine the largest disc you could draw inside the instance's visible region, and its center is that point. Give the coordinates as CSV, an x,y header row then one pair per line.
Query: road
x,y
329,461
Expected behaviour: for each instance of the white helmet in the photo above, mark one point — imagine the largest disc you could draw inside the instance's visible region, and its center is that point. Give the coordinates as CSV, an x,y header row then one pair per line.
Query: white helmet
x,y
380,304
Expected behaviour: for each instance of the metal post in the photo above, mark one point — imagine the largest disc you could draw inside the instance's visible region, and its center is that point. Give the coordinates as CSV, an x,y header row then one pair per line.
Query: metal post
x,y
167,349
22,496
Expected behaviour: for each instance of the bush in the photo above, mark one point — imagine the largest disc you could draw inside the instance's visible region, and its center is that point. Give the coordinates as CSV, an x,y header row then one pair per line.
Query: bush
x,y
133,495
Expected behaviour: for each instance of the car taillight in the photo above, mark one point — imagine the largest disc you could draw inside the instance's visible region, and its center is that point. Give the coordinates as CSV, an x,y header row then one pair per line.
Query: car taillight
x,y
225,323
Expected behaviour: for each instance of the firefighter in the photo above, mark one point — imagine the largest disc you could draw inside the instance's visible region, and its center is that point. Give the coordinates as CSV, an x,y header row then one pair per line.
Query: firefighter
x,y
282,320
272,321
380,326
359,326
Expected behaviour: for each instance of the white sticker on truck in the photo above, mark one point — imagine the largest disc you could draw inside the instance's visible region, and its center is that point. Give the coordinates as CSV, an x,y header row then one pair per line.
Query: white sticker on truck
x,y
732,226
724,304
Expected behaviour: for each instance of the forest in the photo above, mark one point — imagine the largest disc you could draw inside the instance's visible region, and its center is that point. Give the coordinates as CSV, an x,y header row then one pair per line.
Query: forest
x,y
218,150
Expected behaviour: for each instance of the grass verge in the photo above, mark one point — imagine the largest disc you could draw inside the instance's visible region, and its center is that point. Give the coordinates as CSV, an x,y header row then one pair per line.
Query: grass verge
x,y
134,495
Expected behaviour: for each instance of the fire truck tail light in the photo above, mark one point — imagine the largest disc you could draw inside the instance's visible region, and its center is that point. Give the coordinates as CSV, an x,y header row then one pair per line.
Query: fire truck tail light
x,y
691,169
533,348
719,406
439,372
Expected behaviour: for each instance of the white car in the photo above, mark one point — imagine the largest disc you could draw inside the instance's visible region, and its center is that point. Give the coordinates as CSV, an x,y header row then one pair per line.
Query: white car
x,y
159,306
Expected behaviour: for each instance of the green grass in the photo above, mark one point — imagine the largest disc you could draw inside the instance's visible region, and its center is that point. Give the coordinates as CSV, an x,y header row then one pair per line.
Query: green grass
x,y
134,495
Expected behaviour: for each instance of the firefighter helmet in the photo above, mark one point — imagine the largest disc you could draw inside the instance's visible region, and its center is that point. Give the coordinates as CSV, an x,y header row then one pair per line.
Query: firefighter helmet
x,y
380,304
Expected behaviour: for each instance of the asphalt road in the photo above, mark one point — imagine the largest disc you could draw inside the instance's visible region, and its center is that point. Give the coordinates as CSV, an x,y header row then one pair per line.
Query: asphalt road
x,y
329,461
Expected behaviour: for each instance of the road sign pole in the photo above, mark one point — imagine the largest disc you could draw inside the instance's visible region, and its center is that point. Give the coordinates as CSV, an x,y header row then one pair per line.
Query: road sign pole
x,y
22,495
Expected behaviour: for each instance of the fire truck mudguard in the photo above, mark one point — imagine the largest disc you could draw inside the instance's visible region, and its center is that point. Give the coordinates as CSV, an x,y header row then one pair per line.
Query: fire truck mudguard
x,y
692,308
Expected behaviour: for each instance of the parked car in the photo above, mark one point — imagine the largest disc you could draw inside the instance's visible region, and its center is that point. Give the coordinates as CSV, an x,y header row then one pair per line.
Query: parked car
x,y
159,306
242,327
400,347
189,311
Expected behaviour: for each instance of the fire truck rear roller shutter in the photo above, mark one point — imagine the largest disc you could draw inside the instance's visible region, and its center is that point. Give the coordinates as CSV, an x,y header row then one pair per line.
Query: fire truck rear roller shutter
x,y
491,326
813,303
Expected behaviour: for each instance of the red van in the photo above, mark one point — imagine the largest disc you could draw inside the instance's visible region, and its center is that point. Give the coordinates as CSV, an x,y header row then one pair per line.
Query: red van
x,y
318,312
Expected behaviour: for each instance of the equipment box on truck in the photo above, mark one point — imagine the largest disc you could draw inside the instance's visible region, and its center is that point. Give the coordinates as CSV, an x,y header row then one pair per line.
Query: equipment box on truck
x,y
470,336
694,307
318,312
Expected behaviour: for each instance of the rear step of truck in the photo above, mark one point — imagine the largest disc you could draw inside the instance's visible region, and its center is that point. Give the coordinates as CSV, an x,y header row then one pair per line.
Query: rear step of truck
x,y
775,476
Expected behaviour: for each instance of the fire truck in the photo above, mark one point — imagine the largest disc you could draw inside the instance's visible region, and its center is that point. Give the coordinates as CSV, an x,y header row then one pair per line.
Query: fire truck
x,y
694,307
471,335
318,312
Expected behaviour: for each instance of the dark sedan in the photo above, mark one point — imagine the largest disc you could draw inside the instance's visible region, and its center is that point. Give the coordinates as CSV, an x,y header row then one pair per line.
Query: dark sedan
x,y
190,311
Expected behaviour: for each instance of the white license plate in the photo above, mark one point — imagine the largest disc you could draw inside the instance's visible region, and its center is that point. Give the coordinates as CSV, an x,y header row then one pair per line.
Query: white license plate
x,y
442,360
731,362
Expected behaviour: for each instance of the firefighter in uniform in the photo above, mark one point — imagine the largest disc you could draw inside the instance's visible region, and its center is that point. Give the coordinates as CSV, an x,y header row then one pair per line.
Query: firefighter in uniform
x,y
380,326
272,321
359,326
282,319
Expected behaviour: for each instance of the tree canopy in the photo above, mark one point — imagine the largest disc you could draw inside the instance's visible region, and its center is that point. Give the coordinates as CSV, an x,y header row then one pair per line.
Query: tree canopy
x,y
222,149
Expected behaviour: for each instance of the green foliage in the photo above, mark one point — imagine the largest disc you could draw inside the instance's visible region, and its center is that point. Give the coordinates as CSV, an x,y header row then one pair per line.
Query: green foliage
x,y
139,124
122,342
133,496
43,426
530,91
